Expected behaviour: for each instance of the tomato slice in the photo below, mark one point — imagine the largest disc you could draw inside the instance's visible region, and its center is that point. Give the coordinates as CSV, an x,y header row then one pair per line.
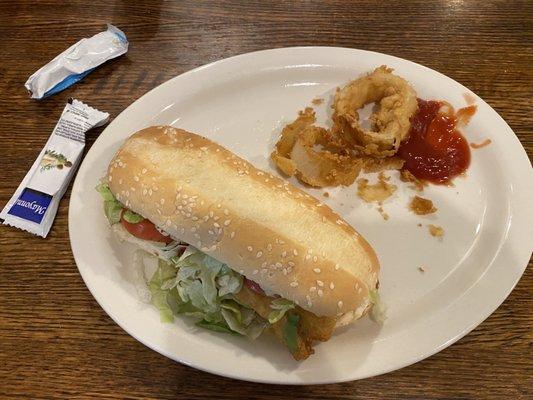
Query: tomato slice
x,y
145,230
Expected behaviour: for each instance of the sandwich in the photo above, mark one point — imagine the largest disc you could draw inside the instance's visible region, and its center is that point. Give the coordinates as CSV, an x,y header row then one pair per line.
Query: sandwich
x,y
239,250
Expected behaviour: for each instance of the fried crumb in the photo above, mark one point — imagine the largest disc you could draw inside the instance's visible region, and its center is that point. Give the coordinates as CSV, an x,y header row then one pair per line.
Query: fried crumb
x,y
371,164
484,143
469,98
407,176
325,194
377,192
383,213
421,269
421,206
317,101
436,231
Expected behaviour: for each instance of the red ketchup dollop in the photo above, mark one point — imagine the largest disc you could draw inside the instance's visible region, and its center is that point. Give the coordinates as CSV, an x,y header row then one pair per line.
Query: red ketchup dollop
x,y
436,151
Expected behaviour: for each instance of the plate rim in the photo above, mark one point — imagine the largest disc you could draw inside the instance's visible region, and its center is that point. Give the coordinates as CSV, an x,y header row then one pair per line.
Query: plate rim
x,y
473,324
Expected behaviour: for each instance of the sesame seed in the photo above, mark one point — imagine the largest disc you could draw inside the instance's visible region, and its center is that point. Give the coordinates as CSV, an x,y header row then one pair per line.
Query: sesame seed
x,y
337,266
320,293
232,235
144,171
279,265
291,264
216,218
312,288
227,222
269,247
315,259
317,270
332,286
216,225
193,229
320,283
250,248
136,178
293,284
307,256
285,272
339,304
159,211
169,222
145,191
295,252
184,202
359,290
150,192
195,218
259,254
284,254
162,201
226,212
211,213
210,232
255,272
281,242
185,196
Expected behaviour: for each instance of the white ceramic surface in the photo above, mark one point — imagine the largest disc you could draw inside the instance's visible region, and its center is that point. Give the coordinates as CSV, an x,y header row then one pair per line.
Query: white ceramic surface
x,y
242,103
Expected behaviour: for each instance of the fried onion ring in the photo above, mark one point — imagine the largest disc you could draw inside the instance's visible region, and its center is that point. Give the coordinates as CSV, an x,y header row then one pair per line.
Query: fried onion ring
x,y
295,154
390,123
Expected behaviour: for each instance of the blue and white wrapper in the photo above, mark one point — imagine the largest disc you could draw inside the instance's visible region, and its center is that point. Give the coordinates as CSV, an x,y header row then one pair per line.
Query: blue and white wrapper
x,y
34,205
76,62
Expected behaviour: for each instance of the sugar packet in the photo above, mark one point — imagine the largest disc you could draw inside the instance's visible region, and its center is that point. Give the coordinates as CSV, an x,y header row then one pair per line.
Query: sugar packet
x,y
34,205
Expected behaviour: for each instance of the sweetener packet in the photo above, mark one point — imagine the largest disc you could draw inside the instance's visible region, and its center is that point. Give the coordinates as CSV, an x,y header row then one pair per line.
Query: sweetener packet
x,y
76,62
34,204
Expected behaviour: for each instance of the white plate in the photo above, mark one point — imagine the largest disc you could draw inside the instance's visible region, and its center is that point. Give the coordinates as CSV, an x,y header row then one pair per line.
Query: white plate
x,y
242,103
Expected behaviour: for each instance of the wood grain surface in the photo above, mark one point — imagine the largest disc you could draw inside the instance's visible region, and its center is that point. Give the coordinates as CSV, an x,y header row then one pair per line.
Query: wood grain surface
x,y
56,341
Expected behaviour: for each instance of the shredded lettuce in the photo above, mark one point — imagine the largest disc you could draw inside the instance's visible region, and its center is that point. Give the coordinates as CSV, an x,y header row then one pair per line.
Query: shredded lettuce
x,y
112,207
280,307
132,217
201,287
378,313
290,332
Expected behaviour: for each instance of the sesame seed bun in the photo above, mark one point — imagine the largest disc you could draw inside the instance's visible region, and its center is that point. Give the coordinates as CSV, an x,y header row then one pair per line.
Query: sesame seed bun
x,y
261,226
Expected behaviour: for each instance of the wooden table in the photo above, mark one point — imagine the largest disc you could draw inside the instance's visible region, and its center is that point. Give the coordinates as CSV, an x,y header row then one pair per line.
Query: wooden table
x,y
56,341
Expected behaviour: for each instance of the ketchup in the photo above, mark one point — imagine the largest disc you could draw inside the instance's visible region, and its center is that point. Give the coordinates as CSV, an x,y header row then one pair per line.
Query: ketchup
x,y
435,151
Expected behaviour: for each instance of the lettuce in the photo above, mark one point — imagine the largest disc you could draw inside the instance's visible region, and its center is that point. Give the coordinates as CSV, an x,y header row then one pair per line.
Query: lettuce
x,y
280,307
112,207
378,313
132,217
201,287
290,332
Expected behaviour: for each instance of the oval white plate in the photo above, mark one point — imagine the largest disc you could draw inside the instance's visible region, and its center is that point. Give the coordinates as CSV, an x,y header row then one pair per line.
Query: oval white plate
x,y
242,103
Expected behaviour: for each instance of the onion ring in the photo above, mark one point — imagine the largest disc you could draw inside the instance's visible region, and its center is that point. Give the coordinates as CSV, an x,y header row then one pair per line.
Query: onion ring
x,y
390,123
295,154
